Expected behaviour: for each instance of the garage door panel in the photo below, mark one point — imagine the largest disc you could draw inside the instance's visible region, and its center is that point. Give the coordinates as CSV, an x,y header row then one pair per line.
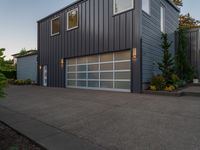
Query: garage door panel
x,y
106,71
123,75
122,85
94,84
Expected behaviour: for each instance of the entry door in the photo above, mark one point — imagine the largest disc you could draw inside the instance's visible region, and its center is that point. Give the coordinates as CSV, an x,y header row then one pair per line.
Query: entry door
x,y
45,75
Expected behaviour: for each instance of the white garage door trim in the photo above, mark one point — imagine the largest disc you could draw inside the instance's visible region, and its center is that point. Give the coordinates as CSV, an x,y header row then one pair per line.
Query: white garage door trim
x,y
109,71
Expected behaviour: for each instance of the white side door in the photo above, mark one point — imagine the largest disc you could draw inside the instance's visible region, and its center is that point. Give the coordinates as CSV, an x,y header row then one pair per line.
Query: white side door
x,y
45,75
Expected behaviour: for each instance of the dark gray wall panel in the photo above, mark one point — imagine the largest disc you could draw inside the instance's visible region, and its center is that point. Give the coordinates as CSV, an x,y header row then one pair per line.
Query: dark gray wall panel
x,y
99,31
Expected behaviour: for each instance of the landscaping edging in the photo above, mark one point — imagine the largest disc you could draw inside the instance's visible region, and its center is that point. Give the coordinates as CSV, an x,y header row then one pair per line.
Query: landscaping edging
x,y
164,93
177,93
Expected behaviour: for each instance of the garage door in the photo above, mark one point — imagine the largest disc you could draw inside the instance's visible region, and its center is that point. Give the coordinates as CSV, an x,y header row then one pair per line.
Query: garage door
x,y
109,71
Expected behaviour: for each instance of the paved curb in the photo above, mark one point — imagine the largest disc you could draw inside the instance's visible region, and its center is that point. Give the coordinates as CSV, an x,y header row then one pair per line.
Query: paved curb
x,y
164,93
43,134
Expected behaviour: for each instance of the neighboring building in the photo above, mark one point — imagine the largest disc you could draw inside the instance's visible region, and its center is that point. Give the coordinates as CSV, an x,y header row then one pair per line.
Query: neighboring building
x,y
18,54
104,44
27,66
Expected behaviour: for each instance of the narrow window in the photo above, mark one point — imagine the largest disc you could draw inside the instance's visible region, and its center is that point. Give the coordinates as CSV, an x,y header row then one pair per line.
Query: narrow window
x,y
146,6
55,26
162,19
122,5
72,19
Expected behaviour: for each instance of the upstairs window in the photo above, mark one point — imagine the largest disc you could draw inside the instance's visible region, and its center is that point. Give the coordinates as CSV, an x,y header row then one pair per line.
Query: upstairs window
x,y
146,6
122,5
72,19
55,26
162,19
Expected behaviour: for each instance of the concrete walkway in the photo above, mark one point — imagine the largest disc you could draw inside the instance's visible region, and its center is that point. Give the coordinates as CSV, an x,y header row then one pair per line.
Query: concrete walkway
x,y
71,119
192,91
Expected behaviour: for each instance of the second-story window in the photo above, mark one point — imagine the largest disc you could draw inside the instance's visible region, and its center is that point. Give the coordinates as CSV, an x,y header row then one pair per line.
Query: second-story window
x,y
146,6
122,5
55,26
72,19
162,19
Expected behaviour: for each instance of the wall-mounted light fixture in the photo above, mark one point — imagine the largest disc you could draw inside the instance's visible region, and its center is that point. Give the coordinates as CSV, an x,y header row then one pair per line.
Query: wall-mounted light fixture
x,y
40,67
62,63
134,54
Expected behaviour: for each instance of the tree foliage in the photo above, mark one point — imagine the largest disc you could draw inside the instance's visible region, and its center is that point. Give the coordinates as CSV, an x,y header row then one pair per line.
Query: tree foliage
x,y
167,64
2,77
178,2
187,22
182,65
23,52
2,56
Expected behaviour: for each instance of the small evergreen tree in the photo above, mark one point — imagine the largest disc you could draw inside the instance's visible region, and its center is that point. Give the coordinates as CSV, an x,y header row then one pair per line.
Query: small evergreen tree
x,y
183,67
167,64
2,77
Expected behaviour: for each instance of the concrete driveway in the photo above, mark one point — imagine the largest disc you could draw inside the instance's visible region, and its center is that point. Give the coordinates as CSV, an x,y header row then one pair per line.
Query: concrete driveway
x,y
115,121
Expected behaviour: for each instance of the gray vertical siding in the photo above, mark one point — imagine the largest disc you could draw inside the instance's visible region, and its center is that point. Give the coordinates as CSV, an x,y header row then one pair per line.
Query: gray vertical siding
x,y
99,31
151,34
27,68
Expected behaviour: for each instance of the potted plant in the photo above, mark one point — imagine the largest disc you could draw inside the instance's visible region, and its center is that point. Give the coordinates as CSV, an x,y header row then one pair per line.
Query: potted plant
x,y
195,79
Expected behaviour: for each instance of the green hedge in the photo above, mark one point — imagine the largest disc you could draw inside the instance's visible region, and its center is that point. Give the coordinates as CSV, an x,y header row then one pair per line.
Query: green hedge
x,y
9,74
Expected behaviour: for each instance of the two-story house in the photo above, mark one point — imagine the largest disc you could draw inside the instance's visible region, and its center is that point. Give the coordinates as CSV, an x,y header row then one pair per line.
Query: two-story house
x,y
104,44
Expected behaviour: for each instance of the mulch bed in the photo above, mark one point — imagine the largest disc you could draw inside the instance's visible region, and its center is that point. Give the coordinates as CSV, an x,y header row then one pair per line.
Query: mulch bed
x,y
11,140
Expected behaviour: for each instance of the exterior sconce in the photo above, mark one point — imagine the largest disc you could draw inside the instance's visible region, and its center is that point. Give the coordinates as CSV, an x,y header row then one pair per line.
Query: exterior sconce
x,y
62,63
134,54
40,67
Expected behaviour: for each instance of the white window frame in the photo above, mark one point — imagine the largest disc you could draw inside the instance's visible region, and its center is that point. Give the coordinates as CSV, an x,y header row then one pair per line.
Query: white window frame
x,y
115,13
75,9
149,8
52,26
162,18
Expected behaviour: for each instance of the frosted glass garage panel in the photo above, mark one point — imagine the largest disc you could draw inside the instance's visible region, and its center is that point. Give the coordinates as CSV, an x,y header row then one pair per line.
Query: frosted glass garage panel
x,y
93,75
81,75
81,83
71,75
106,57
106,66
123,75
82,60
93,59
122,85
71,82
71,68
94,67
94,84
81,68
106,75
122,65
122,55
106,84
71,61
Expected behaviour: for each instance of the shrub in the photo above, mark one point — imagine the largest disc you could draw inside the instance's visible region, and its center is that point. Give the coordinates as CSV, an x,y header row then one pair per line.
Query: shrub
x,y
20,82
3,82
9,74
28,81
153,88
170,88
159,82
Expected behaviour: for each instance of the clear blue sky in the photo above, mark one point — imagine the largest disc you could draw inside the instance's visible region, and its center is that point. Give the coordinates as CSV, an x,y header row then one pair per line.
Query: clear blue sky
x,y
18,27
